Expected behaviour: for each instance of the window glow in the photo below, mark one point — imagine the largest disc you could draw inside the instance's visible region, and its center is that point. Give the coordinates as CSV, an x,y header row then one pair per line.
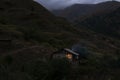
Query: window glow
x,y
69,56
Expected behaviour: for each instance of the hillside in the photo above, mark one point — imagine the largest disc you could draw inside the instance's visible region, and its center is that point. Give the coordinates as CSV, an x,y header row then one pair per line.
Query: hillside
x,y
84,11
33,21
32,25
29,34
107,24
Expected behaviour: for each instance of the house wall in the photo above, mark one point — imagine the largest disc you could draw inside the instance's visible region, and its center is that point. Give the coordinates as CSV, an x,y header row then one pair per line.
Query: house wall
x,y
69,56
59,56
66,54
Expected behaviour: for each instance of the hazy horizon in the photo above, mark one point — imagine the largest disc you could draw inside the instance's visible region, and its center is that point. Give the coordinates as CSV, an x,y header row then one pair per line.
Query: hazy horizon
x,y
57,4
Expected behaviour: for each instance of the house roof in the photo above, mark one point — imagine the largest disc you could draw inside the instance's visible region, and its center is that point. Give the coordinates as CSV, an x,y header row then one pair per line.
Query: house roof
x,y
71,51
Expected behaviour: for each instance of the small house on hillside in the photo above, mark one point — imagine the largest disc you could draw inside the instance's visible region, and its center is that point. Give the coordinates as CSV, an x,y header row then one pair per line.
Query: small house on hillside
x,y
66,53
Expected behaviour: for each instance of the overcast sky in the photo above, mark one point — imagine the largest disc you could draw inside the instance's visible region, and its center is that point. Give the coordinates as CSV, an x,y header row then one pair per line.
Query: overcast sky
x,y
55,4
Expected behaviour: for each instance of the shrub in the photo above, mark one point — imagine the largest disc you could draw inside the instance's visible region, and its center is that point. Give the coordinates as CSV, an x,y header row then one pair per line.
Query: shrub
x,y
59,69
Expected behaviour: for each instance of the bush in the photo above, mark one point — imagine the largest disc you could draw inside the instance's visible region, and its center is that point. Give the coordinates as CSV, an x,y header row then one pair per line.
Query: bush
x,y
50,70
59,69
8,59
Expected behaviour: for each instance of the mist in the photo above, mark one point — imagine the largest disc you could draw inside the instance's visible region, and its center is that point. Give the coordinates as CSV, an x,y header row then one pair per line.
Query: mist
x,y
56,4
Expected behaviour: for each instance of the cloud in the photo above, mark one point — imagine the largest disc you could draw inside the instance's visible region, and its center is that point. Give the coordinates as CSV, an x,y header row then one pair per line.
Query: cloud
x,y
55,4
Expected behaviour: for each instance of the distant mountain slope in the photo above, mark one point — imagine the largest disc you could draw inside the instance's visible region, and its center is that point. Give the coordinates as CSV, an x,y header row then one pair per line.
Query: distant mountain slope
x,y
108,23
86,10
30,24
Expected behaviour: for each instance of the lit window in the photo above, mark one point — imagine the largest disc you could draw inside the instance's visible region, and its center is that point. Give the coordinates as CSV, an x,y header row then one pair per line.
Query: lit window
x,y
69,56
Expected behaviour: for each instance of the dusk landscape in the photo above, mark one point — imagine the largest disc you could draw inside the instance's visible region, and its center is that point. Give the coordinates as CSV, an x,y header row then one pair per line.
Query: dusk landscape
x,y
59,39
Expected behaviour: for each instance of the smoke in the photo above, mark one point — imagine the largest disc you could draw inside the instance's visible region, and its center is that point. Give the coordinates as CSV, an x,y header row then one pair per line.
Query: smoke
x,y
56,4
81,49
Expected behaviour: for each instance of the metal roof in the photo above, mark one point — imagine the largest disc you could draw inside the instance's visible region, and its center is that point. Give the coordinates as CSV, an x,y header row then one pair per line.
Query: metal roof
x,y
71,51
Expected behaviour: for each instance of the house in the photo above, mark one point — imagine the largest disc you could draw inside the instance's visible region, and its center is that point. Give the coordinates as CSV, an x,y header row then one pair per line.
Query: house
x,y
66,53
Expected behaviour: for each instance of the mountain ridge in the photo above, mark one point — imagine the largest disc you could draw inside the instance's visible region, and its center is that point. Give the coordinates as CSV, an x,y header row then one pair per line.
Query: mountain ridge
x,y
36,24
107,23
29,34
84,11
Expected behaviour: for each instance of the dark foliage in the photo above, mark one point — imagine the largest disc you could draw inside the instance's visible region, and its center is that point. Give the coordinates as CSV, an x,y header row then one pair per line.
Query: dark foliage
x,y
35,33
107,24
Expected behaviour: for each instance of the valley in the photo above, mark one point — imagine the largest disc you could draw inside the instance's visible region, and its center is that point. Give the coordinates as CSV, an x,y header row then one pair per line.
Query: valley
x,y
30,34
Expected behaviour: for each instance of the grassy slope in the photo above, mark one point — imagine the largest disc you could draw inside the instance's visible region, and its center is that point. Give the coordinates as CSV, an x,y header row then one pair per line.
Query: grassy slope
x,y
36,33
107,24
36,25
34,21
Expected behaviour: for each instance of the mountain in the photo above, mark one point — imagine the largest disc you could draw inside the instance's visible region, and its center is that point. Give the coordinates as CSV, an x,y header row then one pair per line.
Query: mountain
x,y
25,14
107,23
33,21
29,34
84,11
28,23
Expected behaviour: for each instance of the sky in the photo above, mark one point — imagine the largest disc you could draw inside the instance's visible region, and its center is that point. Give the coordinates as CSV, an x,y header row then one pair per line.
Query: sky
x,y
56,4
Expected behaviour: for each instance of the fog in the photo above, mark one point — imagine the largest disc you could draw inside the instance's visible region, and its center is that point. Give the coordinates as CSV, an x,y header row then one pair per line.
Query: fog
x,y
56,4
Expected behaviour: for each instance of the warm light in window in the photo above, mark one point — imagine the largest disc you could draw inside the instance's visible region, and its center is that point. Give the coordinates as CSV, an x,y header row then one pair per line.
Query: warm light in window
x,y
69,56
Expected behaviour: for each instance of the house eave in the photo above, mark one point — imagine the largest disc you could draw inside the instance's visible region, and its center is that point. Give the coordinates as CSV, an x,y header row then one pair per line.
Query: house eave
x,y
71,51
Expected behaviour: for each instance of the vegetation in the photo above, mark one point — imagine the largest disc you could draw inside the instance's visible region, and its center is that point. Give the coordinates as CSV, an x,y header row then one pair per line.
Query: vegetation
x,y
29,34
83,11
105,67
107,24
